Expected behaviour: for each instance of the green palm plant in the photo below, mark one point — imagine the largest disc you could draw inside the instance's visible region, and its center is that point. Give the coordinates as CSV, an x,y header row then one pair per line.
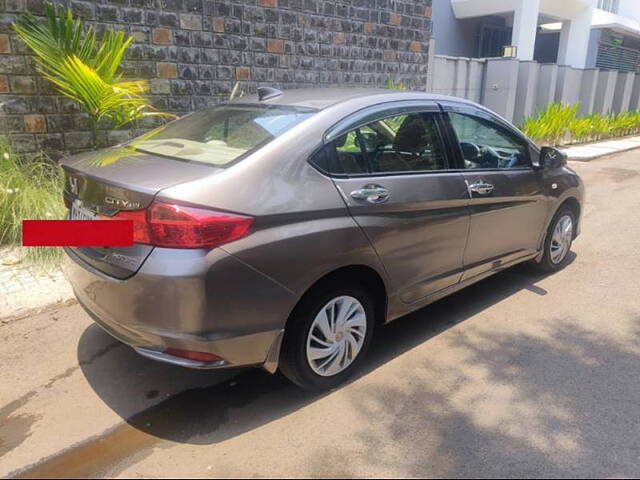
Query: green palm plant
x,y
84,68
552,124
393,85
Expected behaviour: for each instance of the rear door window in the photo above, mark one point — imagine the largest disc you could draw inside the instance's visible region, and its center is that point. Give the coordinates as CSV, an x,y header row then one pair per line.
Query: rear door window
x,y
402,143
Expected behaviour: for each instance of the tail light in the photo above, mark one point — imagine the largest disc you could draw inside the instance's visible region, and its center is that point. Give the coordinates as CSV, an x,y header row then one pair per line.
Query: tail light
x,y
177,226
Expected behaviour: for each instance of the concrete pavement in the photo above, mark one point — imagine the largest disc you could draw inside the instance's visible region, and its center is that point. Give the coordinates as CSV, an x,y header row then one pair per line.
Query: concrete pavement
x,y
519,375
592,151
28,287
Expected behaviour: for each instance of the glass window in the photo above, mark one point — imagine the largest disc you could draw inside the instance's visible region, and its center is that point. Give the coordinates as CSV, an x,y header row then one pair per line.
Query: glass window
x,y
349,156
222,134
609,5
403,143
485,145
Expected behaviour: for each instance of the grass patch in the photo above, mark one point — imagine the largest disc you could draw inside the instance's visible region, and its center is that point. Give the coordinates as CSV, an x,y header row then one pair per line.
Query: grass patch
x,y
30,189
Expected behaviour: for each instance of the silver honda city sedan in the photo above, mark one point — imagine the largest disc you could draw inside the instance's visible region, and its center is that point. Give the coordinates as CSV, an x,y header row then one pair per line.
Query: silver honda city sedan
x,y
280,230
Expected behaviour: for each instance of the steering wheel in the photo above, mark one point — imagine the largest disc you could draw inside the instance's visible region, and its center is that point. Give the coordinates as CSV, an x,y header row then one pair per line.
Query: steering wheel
x,y
471,151
504,160
472,155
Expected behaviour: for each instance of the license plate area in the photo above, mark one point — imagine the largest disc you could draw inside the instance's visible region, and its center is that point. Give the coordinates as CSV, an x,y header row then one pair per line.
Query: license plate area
x,y
80,212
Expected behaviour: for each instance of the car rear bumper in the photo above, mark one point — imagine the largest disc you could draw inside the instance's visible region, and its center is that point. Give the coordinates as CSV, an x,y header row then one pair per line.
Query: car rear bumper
x,y
188,300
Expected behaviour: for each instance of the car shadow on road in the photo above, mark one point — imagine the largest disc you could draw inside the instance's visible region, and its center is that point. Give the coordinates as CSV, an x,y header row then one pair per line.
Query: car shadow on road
x,y
200,413
558,403
563,404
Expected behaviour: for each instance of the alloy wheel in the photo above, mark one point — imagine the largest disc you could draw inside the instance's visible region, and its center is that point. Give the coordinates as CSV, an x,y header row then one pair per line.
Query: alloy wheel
x,y
561,239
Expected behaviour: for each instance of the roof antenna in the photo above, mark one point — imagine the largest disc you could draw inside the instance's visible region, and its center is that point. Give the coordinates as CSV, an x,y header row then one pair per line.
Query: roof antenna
x,y
266,93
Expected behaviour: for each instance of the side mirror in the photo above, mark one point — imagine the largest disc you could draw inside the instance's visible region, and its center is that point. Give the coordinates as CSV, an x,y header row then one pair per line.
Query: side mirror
x,y
551,158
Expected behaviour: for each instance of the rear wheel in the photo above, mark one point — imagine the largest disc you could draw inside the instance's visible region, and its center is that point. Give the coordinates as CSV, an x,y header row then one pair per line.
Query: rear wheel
x,y
558,241
327,336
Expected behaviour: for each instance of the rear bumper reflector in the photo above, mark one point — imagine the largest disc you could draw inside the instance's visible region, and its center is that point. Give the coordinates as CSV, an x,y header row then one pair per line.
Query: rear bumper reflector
x,y
191,355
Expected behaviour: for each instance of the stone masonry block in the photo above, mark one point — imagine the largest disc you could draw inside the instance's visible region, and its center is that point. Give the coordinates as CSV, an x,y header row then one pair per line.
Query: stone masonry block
x,y
275,45
162,36
190,22
167,70
218,25
35,123
5,45
243,73
22,84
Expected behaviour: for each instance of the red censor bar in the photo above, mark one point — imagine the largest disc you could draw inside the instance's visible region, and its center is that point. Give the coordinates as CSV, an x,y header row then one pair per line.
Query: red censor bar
x,y
77,233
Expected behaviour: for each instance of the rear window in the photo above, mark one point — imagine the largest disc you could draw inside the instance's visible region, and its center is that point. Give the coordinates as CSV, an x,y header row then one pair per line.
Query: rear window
x,y
222,135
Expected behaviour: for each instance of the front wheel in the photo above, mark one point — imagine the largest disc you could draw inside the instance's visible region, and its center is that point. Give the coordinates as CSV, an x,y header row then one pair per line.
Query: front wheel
x,y
558,241
327,336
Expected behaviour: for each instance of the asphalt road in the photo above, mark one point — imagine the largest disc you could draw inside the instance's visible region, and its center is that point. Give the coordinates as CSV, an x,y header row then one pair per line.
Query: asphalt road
x,y
518,376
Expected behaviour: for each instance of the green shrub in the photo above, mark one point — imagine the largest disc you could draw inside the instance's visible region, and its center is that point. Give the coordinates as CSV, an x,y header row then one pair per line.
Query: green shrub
x,y
581,129
559,124
30,189
393,85
551,124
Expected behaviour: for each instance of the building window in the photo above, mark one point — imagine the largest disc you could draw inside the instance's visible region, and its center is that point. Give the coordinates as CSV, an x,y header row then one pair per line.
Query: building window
x,y
609,5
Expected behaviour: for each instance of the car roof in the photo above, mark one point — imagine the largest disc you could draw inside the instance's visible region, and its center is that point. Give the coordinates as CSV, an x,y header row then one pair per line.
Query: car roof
x,y
321,98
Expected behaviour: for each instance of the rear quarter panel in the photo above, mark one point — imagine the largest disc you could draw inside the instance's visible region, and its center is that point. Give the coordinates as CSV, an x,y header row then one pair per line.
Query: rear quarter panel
x,y
302,228
299,246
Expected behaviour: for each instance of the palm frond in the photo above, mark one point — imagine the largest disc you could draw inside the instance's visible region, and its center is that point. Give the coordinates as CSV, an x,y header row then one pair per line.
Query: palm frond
x,y
83,68
109,56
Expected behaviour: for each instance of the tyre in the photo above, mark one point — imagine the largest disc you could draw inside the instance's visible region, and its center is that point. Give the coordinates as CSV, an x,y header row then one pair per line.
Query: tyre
x,y
327,336
558,241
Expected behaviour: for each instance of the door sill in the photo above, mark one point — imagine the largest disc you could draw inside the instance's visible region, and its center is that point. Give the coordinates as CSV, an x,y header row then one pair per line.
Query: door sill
x,y
465,282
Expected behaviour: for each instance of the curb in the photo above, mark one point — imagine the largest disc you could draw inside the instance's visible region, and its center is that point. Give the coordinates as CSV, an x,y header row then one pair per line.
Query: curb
x,y
28,312
600,155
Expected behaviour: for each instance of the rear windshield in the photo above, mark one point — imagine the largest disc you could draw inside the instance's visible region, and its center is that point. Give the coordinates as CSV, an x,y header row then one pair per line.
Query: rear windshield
x,y
223,134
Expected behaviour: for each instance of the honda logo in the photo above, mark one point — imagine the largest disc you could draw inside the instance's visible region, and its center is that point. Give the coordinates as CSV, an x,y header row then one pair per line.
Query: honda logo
x,y
73,185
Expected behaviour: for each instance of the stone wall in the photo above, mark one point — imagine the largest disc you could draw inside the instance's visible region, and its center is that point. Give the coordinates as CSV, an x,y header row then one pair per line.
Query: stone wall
x,y
194,51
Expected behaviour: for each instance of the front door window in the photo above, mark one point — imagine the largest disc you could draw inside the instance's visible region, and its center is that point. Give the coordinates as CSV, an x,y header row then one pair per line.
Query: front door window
x,y
486,146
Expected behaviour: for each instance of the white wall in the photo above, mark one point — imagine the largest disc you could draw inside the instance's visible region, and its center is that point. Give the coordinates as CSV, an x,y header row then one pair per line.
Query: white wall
x,y
452,36
518,89
525,26
630,9
574,39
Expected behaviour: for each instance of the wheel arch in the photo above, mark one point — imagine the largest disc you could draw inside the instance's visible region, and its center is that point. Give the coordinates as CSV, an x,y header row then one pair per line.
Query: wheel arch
x,y
574,205
363,274
571,202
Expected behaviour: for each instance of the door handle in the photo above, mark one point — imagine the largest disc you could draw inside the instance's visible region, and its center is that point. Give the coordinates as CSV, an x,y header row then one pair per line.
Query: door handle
x,y
372,194
481,189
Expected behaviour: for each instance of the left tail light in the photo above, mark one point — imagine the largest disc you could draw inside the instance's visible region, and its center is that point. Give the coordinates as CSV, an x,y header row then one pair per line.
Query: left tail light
x,y
177,226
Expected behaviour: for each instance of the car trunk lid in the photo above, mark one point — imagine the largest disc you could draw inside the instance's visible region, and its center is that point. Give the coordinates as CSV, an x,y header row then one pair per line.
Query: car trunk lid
x,y
122,178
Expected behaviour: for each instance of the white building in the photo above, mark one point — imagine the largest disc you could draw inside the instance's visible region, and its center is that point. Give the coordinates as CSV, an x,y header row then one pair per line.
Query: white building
x,y
578,33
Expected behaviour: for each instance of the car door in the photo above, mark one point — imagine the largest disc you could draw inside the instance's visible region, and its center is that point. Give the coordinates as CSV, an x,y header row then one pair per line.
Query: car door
x,y
391,167
507,203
